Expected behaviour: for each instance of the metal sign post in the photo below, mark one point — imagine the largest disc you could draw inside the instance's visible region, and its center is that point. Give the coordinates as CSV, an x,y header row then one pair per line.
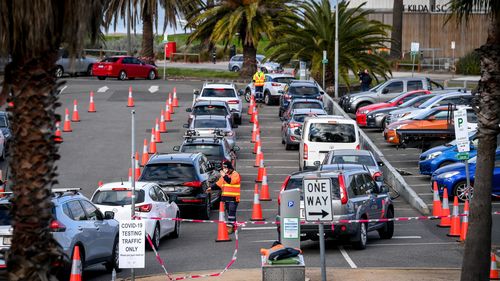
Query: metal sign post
x,y
133,177
318,208
324,62
414,50
165,41
462,139
336,63
453,59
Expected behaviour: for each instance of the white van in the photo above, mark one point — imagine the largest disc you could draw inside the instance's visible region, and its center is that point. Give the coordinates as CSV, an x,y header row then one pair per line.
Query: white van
x,y
324,133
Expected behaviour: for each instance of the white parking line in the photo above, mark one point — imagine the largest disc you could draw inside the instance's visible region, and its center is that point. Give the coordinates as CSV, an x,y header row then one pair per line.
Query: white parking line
x,y
347,258
259,228
406,237
413,244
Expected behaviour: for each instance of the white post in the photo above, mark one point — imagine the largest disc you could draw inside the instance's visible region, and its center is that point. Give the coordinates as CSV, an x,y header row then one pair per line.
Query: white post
x,y
337,49
133,177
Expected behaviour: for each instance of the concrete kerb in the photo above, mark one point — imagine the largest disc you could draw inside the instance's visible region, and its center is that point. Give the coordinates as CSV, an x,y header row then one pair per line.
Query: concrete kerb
x,y
391,176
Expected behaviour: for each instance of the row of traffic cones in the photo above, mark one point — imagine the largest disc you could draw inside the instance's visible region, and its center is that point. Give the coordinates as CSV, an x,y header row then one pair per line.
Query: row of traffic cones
x,y
174,101
75,117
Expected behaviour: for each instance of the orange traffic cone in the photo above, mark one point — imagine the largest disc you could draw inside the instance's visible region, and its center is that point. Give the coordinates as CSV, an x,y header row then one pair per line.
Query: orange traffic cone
x,y
255,113
168,118
257,209
264,190
251,107
445,220
76,266
100,183
465,222
493,268
436,203
91,103
175,103
258,157
130,102
170,105
145,155
129,174
137,167
67,123
76,116
157,132
257,142
222,235
455,220
163,125
260,173
152,143
58,135
254,133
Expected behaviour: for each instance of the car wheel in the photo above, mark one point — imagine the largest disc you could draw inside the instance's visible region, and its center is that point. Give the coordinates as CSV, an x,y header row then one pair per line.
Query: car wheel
x,y
122,75
445,163
248,95
205,214
361,237
101,77
235,69
237,120
460,191
177,230
267,98
59,71
156,237
89,70
387,231
152,75
114,262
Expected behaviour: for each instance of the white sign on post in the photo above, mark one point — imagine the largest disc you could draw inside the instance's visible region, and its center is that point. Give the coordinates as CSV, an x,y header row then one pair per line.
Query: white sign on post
x,y
452,45
414,47
318,199
131,244
461,130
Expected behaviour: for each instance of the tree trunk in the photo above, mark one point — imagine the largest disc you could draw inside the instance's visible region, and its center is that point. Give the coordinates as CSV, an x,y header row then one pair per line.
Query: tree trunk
x,y
249,61
33,153
476,261
397,29
147,46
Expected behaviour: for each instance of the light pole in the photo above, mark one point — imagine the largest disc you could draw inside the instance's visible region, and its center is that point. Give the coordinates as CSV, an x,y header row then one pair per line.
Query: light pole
x,y
336,49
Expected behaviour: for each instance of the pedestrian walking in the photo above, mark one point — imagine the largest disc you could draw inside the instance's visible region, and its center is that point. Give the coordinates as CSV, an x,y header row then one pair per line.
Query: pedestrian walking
x,y
365,79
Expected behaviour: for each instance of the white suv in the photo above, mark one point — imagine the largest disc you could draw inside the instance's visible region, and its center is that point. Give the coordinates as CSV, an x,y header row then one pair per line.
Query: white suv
x,y
274,86
221,92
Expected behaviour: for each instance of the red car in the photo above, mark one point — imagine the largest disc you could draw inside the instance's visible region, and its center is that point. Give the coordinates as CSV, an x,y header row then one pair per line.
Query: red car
x,y
362,111
123,67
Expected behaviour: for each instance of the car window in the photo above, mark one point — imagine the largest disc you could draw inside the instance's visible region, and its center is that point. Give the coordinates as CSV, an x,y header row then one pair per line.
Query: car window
x,y
66,210
218,93
332,132
360,185
202,166
169,171
126,61
161,195
304,90
370,184
77,212
497,161
440,115
353,159
5,214
355,188
207,149
300,117
313,105
117,197
285,80
297,183
92,212
210,110
152,194
414,85
110,60
394,87
471,116
3,121
136,61
210,123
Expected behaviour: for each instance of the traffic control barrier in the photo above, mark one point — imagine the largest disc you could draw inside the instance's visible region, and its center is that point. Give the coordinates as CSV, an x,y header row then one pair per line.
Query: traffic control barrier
x,y
254,133
261,171
168,118
76,266
163,125
67,123
455,220
145,155
493,268
175,103
256,209
251,107
222,235
130,101
254,115
436,201
445,219
91,103
170,104
152,143
137,167
58,135
264,190
465,222
257,143
157,132
76,116
259,156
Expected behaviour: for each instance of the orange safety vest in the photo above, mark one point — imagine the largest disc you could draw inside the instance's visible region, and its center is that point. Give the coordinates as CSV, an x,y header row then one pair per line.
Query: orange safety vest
x,y
259,78
231,189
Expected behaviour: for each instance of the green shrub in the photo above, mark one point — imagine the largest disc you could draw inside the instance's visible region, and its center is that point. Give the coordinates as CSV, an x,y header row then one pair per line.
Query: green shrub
x,y
469,64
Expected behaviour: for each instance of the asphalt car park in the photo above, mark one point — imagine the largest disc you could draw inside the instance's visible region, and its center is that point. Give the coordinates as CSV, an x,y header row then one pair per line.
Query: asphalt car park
x,y
98,149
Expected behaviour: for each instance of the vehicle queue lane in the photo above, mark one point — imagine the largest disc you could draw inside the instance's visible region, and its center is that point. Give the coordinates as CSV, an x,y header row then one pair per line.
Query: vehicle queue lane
x,y
99,149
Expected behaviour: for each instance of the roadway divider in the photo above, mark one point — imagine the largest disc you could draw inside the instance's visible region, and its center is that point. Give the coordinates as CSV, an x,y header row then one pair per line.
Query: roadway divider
x,y
391,175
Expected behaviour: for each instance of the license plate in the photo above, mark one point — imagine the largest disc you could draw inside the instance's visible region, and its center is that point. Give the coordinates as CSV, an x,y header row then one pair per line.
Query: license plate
x,y
7,240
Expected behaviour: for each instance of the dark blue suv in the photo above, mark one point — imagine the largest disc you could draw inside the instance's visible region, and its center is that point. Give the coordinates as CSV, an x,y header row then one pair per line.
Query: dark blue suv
x,y
299,89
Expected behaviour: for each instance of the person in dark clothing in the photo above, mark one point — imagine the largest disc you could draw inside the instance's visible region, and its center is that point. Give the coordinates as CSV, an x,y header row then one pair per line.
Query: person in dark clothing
x,y
365,79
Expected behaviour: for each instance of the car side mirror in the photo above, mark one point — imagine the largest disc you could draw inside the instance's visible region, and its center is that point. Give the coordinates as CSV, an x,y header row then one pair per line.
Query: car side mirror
x,y
241,92
385,91
189,109
176,148
236,148
196,92
317,163
185,126
380,164
321,92
109,215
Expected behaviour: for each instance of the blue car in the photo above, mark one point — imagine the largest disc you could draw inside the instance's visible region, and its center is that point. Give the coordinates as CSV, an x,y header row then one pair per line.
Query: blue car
x,y
453,178
440,156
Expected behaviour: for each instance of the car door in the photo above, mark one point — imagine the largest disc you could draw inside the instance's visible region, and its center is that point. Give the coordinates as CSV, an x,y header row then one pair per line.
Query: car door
x,y
365,193
436,120
141,68
358,195
412,85
376,204
103,234
86,229
390,91
167,210
129,67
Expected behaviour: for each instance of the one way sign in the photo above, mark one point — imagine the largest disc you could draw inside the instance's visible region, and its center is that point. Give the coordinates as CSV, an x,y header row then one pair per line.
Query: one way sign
x,y
318,199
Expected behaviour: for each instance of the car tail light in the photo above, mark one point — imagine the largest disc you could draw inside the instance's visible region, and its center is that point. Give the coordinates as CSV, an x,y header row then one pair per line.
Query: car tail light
x,y
306,151
109,67
119,189
294,125
377,175
144,208
358,147
275,84
57,226
192,183
233,102
192,200
283,188
343,190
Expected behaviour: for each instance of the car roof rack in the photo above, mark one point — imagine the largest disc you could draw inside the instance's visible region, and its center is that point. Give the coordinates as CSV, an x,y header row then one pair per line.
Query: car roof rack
x,y
60,191
191,134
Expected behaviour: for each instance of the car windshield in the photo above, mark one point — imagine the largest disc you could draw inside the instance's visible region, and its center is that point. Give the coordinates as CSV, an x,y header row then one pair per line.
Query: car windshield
x,y
304,90
5,214
3,121
416,101
210,110
296,183
433,100
169,171
285,80
332,132
218,93
110,60
117,197
209,123
353,159
314,105
300,117
207,149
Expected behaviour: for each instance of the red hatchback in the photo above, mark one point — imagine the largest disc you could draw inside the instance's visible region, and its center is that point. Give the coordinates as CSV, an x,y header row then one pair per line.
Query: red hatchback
x,y
362,111
123,67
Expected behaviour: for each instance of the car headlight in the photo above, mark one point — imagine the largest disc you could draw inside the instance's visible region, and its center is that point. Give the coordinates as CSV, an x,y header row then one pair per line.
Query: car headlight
x,y
433,155
449,174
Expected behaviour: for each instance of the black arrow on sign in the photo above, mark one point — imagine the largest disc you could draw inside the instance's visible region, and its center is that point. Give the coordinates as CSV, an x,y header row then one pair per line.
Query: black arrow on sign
x,y
323,213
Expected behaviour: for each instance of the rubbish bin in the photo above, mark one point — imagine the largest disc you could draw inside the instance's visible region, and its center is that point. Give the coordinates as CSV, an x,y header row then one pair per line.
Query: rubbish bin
x,y
170,48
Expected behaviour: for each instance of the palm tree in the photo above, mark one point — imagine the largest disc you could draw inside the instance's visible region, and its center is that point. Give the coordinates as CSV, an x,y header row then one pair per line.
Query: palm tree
x,y
247,20
31,32
148,11
476,262
311,29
